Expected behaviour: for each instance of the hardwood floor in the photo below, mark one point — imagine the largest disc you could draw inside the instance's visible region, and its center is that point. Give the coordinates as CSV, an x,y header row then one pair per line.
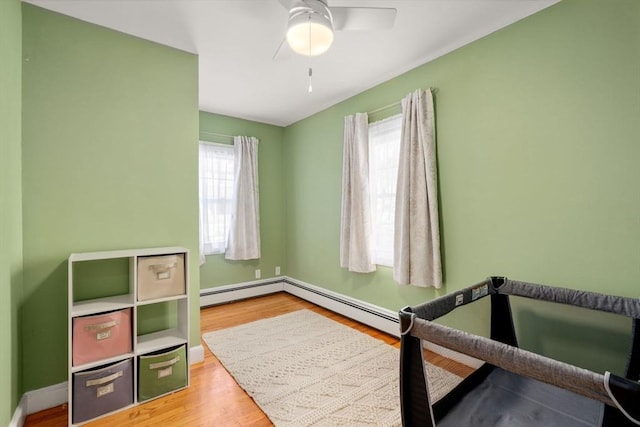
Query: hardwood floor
x,y
214,398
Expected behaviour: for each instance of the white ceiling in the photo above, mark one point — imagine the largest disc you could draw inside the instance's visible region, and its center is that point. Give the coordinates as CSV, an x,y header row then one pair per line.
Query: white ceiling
x,y
236,41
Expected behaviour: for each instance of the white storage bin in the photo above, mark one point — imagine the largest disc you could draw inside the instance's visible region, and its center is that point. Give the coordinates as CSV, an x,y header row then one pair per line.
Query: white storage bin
x,y
161,276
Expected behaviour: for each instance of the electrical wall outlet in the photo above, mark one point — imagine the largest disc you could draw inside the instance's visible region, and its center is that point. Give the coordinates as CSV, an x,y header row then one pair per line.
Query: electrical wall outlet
x,y
258,274
277,270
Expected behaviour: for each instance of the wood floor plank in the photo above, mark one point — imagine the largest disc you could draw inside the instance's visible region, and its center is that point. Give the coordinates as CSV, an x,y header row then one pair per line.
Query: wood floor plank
x,y
214,398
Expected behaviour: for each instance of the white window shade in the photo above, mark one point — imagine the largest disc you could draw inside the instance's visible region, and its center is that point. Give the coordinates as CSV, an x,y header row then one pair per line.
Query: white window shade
x,y
384,149
216,171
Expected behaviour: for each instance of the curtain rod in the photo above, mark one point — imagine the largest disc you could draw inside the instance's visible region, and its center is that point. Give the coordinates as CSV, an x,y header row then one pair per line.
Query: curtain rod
x,y
394,104
220,135
217,144
386,107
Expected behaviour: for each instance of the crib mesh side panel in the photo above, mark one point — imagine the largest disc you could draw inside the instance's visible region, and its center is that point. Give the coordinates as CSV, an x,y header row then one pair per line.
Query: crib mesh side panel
x,y
623,306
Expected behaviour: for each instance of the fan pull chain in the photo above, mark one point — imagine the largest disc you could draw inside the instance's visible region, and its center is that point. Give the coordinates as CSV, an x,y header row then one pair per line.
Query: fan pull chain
x,y
310,89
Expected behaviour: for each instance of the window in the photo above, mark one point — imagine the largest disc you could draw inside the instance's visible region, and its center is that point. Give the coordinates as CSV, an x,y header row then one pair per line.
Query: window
x,y
384,152
216,171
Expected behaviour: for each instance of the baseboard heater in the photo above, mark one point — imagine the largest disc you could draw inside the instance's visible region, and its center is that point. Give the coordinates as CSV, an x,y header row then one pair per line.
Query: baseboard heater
x,y
377,317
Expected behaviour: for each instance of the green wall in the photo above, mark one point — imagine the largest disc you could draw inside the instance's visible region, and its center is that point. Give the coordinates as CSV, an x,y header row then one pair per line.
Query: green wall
x,y
536,151
10,205
271,174
110,130
537,132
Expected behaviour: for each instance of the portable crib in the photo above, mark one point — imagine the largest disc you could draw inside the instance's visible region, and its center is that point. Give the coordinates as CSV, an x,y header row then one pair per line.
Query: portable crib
x,y
515,387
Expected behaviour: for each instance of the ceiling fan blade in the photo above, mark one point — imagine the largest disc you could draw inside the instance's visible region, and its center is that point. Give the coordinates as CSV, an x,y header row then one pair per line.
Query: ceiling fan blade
x,y
283,51
289,4
363,18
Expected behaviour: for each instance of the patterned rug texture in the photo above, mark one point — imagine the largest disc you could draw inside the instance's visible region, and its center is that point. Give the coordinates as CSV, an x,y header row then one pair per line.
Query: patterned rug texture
x,y
304,369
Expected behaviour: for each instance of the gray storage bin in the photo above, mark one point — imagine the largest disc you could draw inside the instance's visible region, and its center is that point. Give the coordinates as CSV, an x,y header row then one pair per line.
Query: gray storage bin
x,y
102,390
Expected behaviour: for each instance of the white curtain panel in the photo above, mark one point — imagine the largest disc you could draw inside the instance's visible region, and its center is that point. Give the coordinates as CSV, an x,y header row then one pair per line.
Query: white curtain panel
x,y
216,173
355,220
244,233
417,232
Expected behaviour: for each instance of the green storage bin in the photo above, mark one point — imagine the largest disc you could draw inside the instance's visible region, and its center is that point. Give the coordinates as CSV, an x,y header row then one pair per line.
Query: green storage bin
x,y
161,372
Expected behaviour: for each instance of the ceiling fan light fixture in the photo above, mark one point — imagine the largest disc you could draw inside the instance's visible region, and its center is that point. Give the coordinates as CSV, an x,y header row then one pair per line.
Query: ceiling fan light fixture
x,y
310,32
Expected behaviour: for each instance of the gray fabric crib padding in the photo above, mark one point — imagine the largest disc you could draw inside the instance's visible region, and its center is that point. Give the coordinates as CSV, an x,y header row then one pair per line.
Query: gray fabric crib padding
x,y
578,380
438,307
505,399
445,304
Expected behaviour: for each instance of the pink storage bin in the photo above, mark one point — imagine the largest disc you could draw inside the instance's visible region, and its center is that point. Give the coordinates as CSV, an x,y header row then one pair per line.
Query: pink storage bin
x,y
101,336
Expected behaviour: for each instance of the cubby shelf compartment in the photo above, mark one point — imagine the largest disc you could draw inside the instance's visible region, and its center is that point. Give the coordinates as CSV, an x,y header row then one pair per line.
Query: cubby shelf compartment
x,y
106,361
103,299
100,305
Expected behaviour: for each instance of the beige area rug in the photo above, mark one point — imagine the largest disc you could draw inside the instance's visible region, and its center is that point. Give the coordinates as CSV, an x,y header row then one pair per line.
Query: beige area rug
x,y
304,369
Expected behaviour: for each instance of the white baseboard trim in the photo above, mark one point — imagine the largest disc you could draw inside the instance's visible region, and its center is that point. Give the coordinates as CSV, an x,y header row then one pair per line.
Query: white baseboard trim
x,y
196,354
371,315
46,397
239,291
20,414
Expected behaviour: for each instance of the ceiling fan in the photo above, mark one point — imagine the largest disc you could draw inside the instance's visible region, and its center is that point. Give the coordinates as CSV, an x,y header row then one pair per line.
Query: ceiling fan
x,y
312,23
